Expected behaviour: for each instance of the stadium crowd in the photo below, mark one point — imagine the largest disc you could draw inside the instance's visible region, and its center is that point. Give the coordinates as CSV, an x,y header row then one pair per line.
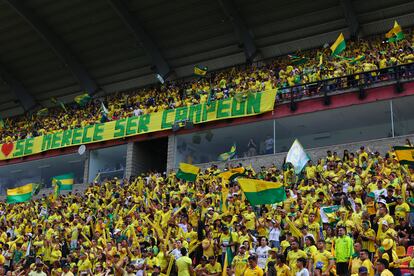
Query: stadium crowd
x,y
363,55
157,224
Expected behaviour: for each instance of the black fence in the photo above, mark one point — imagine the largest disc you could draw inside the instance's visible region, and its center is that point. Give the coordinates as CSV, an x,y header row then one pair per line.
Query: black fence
x,y
360,81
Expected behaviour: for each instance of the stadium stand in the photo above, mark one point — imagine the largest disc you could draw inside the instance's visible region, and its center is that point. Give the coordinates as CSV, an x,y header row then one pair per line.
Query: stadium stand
x,y
371,61
89,185
357,207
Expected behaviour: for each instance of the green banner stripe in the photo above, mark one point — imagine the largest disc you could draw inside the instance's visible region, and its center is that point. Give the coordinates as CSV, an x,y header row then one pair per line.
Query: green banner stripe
x,y
19,198
186,176
251,105
406,162
266,197
403,148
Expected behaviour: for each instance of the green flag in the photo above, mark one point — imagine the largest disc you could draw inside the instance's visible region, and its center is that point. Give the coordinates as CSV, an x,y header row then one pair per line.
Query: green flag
x,y
339,45
297,60
42,112
65,181
228,155
20,194
395,34
83,99
200,70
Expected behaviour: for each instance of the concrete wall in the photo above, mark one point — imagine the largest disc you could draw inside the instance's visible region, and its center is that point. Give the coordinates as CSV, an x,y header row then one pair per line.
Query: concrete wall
x,y
381,145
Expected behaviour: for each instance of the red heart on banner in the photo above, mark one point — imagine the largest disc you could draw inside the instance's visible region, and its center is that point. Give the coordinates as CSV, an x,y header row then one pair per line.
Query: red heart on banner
x,y
7,148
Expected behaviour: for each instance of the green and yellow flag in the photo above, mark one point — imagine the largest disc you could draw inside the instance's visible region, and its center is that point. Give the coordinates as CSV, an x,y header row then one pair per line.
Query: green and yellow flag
x,y
405,155
65,181
200,70
259,192
187,172
298,60
339,45
53,100
395,34
232,174
83,99
229,154
20,194
43,112
1,123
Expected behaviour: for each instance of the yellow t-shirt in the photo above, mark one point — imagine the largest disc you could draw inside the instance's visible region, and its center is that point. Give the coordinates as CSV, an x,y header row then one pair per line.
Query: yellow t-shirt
x,y
257,271
386,272
401,210
367,263
239,264
250,220
283,270
209,252
292,257
84,265
183,266
213,269
369,244
323,257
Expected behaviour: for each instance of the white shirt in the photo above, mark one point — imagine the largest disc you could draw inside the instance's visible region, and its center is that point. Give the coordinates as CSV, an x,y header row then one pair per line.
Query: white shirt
x,y
176,253
274,234
137,112
303,272
34,273
382,192
262,254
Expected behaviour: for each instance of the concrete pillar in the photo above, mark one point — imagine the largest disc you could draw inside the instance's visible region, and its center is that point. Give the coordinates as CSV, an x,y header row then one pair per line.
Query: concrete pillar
x,y
131,160
86,167
171,152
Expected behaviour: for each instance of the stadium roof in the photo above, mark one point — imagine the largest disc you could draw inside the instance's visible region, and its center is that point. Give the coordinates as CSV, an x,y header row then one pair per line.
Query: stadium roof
x,y
58,48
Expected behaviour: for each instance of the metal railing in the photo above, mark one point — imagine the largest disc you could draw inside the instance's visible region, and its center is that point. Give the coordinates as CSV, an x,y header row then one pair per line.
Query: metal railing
x,y
360,81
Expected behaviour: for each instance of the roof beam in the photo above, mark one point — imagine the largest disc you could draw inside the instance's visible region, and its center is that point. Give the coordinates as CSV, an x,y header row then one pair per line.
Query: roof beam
x,y
350,17
240,28
58,45
159,63
26,100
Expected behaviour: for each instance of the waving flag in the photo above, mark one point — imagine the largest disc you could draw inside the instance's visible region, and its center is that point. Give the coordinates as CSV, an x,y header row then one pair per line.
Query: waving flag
x,y
83,99
42,112
187,172
405,155
200,70
259,192
339,45
297,156
228,155
328,213
395,34
20,194
65,181
232,174
297,60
